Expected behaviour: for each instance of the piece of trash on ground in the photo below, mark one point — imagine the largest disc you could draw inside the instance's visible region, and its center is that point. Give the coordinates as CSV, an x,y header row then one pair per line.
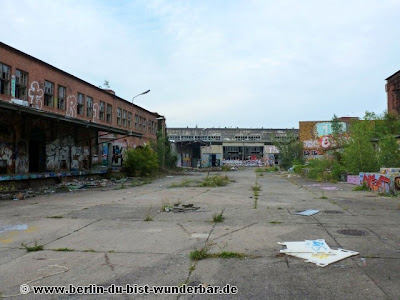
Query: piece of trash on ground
x,y
315,251
308,212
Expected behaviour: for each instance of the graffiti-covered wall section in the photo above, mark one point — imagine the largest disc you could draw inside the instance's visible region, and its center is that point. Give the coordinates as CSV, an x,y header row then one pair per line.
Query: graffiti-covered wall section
x,y
30,144
317,137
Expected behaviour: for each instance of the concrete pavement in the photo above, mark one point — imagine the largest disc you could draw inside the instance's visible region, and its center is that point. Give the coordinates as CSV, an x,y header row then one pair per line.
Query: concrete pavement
x,y
106,240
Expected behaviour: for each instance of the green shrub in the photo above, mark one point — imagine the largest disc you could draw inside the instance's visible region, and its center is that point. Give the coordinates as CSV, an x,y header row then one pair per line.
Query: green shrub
x,y
298,169
140,161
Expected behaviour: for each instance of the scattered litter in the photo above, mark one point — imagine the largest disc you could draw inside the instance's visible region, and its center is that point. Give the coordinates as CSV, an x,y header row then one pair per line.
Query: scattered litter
x,y
13,227
182,208
308,212
313,246
316,251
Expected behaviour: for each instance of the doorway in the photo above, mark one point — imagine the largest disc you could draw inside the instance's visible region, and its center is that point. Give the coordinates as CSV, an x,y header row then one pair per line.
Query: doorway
x,y
37,150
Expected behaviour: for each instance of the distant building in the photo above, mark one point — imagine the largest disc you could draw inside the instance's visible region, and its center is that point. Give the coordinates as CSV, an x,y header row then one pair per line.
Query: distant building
x,y
316,137
393,92
206,147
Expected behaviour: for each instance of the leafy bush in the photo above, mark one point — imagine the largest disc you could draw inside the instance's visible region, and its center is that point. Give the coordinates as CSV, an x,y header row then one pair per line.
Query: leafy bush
x,y
298,169
140,161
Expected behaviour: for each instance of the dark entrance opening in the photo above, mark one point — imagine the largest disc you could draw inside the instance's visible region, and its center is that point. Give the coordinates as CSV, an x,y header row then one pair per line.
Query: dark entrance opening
x,y
214,160
37,147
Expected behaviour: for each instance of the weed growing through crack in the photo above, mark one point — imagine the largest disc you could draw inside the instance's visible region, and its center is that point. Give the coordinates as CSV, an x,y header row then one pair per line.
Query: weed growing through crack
x,y
200,254
323,196
33,248
217,218
55,217
148,218
64,249
230,254
89,250
256,188
276,222
165,205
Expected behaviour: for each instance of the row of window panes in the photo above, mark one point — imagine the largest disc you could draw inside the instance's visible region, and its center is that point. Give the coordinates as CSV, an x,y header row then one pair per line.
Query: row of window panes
x,y
193,138
21,82
247,138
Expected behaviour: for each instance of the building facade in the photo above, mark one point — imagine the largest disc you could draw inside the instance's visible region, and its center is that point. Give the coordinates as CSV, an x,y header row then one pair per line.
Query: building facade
x,y
206,147
317,136
393,93
52,121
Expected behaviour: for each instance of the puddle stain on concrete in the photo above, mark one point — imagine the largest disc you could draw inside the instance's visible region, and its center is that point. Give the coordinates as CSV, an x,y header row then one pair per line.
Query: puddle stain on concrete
x,y
14,230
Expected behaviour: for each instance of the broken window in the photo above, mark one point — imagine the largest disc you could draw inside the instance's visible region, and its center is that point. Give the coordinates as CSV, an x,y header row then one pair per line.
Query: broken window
x,y
129,120
136,121
124,112
48,93
109,113
80,105
101,111
21,83
144,124
4,79
89,106
119,111
61,97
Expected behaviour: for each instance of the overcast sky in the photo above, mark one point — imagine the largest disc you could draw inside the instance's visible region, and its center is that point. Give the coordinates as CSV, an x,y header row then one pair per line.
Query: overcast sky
x,y
210,63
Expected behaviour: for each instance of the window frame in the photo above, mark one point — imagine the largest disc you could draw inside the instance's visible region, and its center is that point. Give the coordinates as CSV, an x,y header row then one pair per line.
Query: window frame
x,y
48,96
89,106
61,100
5,83
102,107
21,86
109,113
80,104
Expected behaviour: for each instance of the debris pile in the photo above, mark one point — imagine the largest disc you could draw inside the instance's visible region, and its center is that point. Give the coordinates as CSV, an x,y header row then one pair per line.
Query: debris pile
x,y
315,251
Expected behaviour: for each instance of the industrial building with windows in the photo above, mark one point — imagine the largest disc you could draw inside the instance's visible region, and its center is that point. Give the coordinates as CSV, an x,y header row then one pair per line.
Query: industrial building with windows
x,y
54,123
208,147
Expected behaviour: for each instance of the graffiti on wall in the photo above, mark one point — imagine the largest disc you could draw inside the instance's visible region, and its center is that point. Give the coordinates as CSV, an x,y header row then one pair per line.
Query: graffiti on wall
x,y
35,94
22,160
376,182
6,153
322,139
397,183
71,106
95,112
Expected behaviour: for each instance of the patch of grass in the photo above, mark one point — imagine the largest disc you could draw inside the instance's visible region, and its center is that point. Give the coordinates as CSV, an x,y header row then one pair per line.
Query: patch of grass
x,y
214,181
55,217
192,268
226,168
165,204
89,250
183,183
323,196
266,170
64,249
362,187
199,254
111,251
276,222
279,208
217,218
33,248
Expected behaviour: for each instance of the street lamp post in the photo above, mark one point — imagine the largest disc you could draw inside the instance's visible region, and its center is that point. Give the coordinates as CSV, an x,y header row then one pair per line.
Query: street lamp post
x,y
140,94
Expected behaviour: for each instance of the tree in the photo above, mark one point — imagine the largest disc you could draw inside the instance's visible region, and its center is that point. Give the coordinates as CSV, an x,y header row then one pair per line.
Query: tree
x,y
290,151
359,154
163,147
389,153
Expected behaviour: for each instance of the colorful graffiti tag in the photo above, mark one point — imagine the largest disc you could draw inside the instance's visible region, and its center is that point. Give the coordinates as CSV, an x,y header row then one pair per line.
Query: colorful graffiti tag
x,y
376,182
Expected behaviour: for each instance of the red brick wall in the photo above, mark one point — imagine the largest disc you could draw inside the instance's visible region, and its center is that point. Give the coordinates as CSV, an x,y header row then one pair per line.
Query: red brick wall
x,y
393,101
39,71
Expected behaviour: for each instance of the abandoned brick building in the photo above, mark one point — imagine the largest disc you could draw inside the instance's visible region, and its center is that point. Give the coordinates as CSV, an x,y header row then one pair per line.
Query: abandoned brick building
x,y
53,122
